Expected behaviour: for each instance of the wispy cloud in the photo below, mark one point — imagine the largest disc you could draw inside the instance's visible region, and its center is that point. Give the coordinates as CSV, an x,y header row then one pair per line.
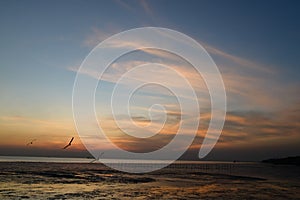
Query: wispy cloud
x,y
241,62
251,91
98,35
148,10
140,5
241,128
123,4
257,127
245,92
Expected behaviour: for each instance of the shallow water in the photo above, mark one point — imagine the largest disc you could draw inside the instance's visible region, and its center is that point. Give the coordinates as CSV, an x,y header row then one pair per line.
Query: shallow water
x,y
41,180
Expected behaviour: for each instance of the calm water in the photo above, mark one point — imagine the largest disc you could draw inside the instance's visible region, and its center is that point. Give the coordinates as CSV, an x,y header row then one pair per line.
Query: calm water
x,y
88,160
43,159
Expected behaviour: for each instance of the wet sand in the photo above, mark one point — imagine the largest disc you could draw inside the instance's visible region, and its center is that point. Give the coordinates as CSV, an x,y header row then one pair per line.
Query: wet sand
x,y
33,180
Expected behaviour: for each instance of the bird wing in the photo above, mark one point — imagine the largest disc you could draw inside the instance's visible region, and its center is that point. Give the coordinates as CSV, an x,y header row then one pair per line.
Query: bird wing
x,y
67,146
101,154
71,141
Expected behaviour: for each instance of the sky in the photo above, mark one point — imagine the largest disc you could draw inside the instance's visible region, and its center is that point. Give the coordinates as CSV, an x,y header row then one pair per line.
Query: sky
x,y
255,45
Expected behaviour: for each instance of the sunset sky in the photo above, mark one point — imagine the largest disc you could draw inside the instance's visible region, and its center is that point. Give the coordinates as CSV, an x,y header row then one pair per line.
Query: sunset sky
x,y
255,44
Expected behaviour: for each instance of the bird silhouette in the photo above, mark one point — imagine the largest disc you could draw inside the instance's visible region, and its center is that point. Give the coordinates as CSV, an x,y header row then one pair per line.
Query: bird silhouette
x,y
31,142
69,143
97,158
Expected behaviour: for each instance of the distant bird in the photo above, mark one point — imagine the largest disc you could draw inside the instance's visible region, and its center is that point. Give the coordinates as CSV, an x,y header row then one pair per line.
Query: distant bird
x,y
30,143
97,158
69,143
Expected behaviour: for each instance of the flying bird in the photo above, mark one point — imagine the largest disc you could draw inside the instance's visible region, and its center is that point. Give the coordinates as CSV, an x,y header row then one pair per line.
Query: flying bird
x,y
97,158
30,143
69,143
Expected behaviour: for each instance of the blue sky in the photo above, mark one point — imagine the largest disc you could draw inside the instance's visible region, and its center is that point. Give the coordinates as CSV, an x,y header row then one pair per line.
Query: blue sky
x,y
255,45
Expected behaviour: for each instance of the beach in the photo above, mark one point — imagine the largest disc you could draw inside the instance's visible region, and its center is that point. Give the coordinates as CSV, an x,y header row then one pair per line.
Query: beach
x,y
190,180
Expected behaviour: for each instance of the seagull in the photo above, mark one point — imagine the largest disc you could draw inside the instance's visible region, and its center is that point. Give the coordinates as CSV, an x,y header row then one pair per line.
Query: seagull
x,y
97,158
69,143
29,143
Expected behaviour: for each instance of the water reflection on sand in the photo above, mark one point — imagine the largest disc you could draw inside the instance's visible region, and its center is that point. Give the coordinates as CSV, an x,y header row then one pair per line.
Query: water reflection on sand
x,y
40,180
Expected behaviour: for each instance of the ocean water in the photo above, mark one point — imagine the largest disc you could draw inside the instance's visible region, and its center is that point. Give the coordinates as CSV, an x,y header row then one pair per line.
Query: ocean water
x,y
73,178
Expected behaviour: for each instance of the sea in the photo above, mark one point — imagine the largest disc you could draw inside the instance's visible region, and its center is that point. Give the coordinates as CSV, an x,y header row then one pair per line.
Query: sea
x,y
84,178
